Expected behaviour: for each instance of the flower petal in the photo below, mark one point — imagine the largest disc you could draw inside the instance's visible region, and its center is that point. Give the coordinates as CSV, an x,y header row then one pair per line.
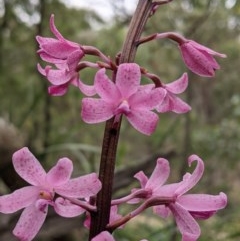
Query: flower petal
x,y
104,236
43,40
60,173
59,76
143,120
167,190
87,221
30,222
161,210
128,79
88,90
19,199
58,49
147,87
142,178
54,30
146,99
28,167
48,58
160,174
81,187
41,70
196,61
166,104
208,50
202,214
74,58
96,110
114,215
187,226
58,90
180,106
105,88
174,104
191,181
179,85
210,60
66,209
203,202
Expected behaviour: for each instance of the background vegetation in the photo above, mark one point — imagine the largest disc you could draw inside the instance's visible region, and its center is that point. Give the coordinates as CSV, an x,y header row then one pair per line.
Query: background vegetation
x,y
51,126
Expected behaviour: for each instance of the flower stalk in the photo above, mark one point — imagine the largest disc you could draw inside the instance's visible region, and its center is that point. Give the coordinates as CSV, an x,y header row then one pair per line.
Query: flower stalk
x,y
153,201
100,219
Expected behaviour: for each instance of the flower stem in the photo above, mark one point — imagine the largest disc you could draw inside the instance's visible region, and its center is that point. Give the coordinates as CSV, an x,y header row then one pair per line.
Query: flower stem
x,y
153,201
80,203
100,219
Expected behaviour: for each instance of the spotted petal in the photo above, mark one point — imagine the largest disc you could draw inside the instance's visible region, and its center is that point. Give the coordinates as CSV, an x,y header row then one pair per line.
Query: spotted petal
x,y
193,179
142,178
88,90
58,49
81,187
187,226
30,222
146,99
178,86
60,173
198,60
48,58
96,110
143,120
203,202
19,199
58,90
173,103
128,79
66,209
54,30
206,49
59,76
28,167
105,88
73,59
160,174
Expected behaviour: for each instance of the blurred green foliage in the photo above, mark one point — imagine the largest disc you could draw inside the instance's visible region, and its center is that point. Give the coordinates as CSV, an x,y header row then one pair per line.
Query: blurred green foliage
x,y
52,126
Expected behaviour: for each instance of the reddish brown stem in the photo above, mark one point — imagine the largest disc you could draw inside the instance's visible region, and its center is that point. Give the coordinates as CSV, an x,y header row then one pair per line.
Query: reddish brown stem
x,y
153,201
100,219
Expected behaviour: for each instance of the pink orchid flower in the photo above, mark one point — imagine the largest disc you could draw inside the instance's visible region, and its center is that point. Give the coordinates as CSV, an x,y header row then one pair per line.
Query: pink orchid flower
x,y
36,198
171,102
199,59
65,56
123,97
106,236
186,207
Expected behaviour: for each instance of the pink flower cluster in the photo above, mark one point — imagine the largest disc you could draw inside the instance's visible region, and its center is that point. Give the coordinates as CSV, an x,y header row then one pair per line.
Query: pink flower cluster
x,y
65,56
56,189
184,207
125,95
62,53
